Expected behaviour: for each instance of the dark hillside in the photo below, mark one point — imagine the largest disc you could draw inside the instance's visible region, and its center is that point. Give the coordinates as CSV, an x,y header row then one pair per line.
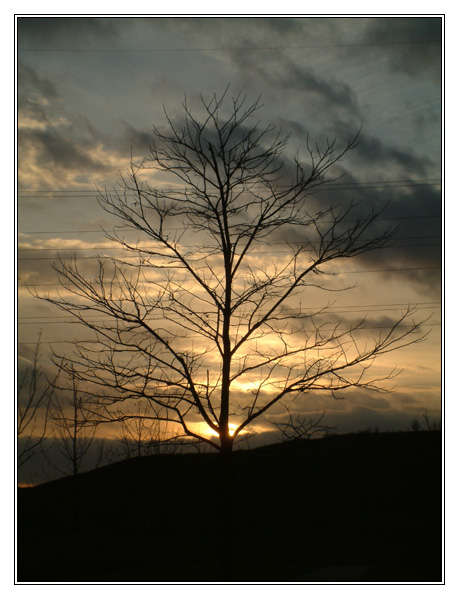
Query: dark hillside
x,y
366,505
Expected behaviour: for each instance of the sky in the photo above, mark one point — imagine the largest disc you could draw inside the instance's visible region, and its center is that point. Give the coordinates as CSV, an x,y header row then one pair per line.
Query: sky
x,y
90,89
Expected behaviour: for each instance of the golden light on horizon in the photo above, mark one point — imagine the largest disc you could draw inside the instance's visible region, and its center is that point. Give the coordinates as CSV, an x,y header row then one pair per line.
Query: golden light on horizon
x,y
232,429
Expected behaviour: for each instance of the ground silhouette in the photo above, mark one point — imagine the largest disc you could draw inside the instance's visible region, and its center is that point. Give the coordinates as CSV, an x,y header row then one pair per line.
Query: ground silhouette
x,y
358,507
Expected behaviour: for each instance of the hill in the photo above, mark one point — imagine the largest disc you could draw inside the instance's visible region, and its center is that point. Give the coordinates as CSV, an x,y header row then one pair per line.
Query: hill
x,y
364,507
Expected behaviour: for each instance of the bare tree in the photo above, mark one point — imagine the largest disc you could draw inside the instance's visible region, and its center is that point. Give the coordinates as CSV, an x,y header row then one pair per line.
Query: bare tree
x,y
35,393
193,313
434,425
73,431
430,425
300,426
143,432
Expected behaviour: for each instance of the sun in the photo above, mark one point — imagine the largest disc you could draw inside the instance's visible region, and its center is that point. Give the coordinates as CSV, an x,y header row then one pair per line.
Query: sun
x,y
232,430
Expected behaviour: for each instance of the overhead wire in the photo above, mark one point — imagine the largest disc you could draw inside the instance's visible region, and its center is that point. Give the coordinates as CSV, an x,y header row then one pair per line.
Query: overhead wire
x,y
343,310
419,245
346,272
146,248
72,342
75,193
329,309
235,48
62,231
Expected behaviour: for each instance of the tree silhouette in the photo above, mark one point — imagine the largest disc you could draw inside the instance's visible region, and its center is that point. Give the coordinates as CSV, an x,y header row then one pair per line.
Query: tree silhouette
x,y
202,318
300,426
73,431
143,432
35,393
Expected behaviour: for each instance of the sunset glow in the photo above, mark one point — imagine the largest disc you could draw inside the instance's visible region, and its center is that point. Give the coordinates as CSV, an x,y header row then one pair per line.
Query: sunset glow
x,y
209,431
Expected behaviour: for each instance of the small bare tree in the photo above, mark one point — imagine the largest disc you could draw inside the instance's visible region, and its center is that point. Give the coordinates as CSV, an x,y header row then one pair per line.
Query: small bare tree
x,y
35,393
144,433
429,424
300,426
193,310
74,428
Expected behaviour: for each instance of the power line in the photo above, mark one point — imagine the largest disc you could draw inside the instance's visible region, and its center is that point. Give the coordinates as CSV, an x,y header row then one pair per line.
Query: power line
x,y
350,185
179,229
432,324
364,306
117,247
391,247
346,272
232,49
390,270
101,320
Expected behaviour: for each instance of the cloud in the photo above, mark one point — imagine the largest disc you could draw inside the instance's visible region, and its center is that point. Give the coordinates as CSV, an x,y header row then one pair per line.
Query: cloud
x,y
286,76
139,140
369,326
357,411
41,31
244,32
30,82
414,254
57,149
372,151
404,189
58,243
413,58
417,245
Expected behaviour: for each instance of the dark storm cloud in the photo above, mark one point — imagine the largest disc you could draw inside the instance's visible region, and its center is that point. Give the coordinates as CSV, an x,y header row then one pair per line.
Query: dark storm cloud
x,y
57,139
29,81
40,32
356,410
374,152
413,212
35,93
294,129
139,140
412,206
343,401
416,246
369,326
281,73
142,139
365,418
58,149
417,266
224,32
410,57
